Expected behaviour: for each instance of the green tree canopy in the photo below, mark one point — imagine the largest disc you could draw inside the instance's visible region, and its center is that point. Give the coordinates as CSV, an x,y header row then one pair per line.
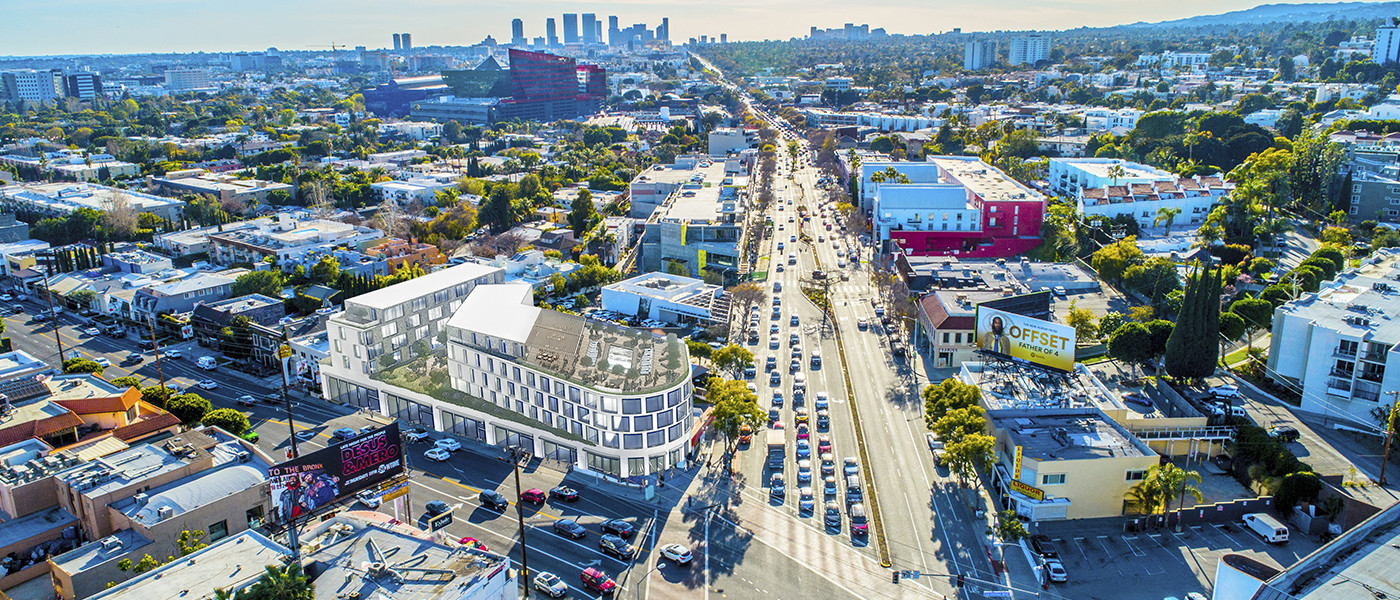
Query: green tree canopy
x,y
267,283
228,419
189,408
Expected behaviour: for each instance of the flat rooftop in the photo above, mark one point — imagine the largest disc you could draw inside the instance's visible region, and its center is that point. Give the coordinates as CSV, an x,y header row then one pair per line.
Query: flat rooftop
x,y
664,286
199,489
1007,385
95,553
1084,435
232,563
985,180
1363,302
708,203
1359,565
1099,167
111,473
432,570
28,526
439,280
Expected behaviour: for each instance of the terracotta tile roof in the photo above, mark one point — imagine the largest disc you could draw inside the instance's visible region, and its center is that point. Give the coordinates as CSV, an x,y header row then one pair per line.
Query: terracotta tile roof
x,y
1093,192
36,428
1212,182
1165,186
1189,184
939,318
92,406
145,427
1141,189
1117,191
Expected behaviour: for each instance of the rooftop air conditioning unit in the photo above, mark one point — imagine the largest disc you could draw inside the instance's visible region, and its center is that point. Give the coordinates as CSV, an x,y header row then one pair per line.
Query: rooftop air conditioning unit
x,y
165,512
245,456
111,543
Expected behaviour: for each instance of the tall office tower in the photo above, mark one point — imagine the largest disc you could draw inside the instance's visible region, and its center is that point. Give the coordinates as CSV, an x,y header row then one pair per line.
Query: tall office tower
x,y
398,43
597,32
665,33
724,38
407,40
614,34
517,32
570,28
590,23
551,36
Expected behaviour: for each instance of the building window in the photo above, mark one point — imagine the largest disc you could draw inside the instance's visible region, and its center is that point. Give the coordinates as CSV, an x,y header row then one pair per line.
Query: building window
x,y
218,531
945,337
636,466
254,516
1137,475
1052,479
957,338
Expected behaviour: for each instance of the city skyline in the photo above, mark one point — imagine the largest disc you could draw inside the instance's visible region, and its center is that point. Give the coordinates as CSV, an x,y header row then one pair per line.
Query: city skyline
x,y
159,26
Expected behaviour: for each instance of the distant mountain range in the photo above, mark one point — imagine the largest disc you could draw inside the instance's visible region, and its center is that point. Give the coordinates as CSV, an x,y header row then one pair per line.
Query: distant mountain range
x,y
1288,13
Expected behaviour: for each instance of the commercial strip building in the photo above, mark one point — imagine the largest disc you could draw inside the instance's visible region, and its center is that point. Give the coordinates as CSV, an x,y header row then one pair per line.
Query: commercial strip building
x,y
667,298
1338,342
1139,192
652,187
59,199
224,188
728,140
953,206
607,399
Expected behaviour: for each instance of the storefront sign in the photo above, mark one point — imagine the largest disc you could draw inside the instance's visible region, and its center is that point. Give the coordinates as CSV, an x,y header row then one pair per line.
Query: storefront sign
x,y
1034,493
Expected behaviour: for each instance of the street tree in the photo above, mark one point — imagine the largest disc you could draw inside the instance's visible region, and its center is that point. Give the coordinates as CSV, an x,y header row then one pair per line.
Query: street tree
x,y
82,365
1010,528
1256,313
961,422
732,358
967,455
947,396
734,407
1132,344
189,408
1232,328
228,419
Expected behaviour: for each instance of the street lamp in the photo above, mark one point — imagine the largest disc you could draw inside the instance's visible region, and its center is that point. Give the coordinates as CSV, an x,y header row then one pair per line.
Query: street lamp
x,y
515,452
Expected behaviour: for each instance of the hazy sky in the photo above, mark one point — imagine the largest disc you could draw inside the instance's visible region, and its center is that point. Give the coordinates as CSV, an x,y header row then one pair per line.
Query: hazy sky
x,y
37,27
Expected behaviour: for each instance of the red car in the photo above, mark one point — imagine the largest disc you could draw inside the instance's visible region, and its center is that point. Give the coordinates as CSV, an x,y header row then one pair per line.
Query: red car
x,y
802,431
533,496
595,580
472,542
823,444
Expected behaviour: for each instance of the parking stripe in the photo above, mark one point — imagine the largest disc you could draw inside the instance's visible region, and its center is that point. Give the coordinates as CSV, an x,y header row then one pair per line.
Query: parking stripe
x,y
1131,546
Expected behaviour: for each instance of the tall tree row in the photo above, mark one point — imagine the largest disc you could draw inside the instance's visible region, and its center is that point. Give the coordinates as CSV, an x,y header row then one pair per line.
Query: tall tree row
x,y
1191,351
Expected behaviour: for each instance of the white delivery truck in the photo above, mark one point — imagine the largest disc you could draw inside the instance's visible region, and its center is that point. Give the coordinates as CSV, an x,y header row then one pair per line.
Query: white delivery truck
x,y
1267,527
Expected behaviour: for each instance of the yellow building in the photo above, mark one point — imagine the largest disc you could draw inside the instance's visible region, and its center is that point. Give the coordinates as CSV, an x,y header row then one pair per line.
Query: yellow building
x,y
1073,463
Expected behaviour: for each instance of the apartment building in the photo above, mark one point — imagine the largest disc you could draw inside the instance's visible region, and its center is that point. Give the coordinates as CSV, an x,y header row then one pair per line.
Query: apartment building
x,y
1027,50
1138,192
953,206
225,188
979,55
727,140
610,400
187,79
181,296
1338,341
392,321
419,189
283,239
59,199
397,254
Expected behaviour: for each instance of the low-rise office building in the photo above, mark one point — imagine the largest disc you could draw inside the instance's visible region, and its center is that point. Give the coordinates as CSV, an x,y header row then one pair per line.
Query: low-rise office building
x,y
606,399
667,298
699,227
727,140
236,562
651,188
1339,342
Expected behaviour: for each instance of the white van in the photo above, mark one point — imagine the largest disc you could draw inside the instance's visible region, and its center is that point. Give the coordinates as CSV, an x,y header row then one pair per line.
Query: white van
x,y
207,363
1267,527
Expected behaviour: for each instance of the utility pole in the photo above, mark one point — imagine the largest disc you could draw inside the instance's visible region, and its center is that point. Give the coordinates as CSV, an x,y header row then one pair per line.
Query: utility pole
x,y
1389,433
155,347
515,452
53,315
283,354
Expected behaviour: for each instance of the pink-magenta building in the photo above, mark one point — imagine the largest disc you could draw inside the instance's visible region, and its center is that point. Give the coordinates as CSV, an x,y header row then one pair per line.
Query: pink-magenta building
x,y
955,206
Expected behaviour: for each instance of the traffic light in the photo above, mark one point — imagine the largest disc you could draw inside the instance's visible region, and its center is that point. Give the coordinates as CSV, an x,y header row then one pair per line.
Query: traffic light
x,y
894,577
961,579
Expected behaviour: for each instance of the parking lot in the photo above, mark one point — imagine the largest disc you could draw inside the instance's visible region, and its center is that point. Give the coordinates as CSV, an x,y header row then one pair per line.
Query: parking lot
x,y
1099,561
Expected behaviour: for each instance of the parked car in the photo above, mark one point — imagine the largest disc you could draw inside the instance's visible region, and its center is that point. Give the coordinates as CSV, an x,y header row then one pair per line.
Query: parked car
x,y
437,454
550,585
343,433
1055,570
569,528
368,498
448,444
1044,547
1285,433
417,434
1138,398
619,528
1228,390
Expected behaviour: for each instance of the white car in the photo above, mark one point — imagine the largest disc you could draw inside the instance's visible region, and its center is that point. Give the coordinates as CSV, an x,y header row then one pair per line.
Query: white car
x,y
368,498
172,354
102,360
415,435
437,454
93,331
6,298
550,585
448,444
677,553
208,384
1228,390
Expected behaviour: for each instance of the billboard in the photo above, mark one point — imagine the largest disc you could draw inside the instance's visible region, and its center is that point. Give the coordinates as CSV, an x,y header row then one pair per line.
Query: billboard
x,y
305,485
1025,339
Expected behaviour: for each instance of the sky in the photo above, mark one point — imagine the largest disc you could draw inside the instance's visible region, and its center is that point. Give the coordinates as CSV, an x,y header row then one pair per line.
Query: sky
x,y
49,27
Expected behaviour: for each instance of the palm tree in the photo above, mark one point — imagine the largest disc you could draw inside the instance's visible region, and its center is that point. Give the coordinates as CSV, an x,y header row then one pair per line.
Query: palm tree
x,y
1166,215
1178,483
1117,171
279,584
1147,495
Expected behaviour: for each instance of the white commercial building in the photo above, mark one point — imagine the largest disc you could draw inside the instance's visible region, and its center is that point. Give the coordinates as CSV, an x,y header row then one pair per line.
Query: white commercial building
x,y
1104,119
422,189
608,400
31,86
724,140
668,298
1067,176
182,79
284,238
1028,50
1336,344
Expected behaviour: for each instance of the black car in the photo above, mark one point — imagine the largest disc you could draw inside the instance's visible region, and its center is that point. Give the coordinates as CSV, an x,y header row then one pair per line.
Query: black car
x,y
1285,433
1044,547
615,546
619,527
569,528
436,507
564,493
146,344
494,500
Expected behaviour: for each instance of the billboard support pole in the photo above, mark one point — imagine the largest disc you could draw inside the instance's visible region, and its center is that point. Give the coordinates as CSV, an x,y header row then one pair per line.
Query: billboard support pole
x,y
292,536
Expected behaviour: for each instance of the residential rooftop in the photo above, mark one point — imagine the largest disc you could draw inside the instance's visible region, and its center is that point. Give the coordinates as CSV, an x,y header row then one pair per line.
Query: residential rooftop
x,y
437,281
1362,302
65,197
